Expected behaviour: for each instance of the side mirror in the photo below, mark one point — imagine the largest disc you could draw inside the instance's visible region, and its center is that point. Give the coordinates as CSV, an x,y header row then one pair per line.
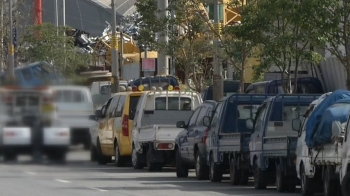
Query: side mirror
x,y
98,114
249,123
206,121
181,124
296,124
92,117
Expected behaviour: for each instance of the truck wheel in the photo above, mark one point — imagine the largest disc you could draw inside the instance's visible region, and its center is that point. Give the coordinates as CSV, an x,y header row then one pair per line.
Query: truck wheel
x,y
346,185
244,177
235,173
93,153
135,159
280,179
101,159
181,168
152,166
9,157
119,160
215,174
259,175
306,183
330,187
202,172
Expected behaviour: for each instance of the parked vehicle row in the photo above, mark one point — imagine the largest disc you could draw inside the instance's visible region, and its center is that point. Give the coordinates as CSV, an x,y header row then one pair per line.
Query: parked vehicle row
x,y
244,135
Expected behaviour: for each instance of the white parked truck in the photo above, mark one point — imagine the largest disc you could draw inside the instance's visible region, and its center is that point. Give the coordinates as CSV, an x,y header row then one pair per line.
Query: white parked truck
x,y
29,124
345,167
319,145
155,131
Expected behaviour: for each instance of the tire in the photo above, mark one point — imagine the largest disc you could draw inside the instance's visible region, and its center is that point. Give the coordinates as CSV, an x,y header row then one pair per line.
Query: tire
x,y
93,153
330,187
181,168
244,177
202,172
152,166
215,174
235,173
346,185
305,183
9,157
135,159
259,175
280,179
119,160
101,159
87,146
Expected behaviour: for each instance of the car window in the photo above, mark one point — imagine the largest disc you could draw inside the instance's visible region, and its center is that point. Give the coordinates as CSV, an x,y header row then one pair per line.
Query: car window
x,y
216,116
260,116
173,103
113,106
120,106
193,119
206,111
132,107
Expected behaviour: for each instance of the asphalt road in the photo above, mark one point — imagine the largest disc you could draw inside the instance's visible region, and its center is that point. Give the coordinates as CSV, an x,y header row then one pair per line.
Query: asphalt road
x,y
80,177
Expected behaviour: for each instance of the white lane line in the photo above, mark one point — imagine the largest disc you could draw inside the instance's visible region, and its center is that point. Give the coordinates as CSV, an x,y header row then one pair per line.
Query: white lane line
x,y
31,173
63,181
97,189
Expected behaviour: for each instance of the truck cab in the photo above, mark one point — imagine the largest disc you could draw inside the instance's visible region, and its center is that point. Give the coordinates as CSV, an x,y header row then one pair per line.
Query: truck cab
x,y
228,137
273,141
154,128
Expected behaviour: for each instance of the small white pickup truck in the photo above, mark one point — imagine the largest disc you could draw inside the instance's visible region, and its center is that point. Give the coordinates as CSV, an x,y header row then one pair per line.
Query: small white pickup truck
x,y
29,124
319,148
155,131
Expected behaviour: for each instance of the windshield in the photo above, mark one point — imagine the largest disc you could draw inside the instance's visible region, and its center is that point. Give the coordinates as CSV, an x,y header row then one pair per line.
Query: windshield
x,y
236,117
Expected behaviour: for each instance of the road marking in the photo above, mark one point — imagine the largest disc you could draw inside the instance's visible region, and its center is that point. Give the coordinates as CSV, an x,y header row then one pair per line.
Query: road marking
x,y
97,189
31,173
63,181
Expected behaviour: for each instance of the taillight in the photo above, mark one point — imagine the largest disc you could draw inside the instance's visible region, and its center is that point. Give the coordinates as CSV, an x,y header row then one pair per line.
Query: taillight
x,y
125,125
205,135
7,99
10,134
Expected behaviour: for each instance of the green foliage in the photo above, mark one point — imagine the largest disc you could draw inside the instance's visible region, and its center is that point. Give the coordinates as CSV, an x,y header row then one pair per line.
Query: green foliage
x,y
48,43
284,31
189,37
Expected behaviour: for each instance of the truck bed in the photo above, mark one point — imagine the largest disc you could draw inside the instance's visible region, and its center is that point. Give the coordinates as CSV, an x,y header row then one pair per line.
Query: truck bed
x,y
158,133
280,146
329,154
234,142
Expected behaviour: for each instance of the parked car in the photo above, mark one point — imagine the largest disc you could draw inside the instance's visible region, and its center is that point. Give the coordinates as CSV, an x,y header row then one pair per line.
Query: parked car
x,y
190,142
115,126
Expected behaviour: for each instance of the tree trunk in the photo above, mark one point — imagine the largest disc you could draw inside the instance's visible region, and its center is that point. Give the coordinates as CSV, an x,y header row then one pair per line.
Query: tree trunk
x,y
348,77
241,80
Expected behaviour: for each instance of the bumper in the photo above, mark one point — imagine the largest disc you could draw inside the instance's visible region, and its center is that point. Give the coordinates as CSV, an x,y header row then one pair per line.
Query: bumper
x,y
22,137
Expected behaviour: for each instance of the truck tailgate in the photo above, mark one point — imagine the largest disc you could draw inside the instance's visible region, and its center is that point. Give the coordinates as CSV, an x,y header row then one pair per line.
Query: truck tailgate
x,y
282,146
234,142
158,133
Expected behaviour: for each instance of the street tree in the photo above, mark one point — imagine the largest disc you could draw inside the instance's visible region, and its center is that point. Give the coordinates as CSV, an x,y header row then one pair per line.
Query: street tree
x,y
281,29
189,38
48,43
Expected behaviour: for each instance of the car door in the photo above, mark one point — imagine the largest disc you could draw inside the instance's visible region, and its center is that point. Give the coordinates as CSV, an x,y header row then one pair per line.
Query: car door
x,y
195,135
213,135
259,126
104,122
183,139
110,117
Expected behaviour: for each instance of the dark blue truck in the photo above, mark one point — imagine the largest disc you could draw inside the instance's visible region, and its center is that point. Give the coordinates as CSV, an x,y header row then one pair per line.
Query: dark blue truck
x,y
228,137
273,141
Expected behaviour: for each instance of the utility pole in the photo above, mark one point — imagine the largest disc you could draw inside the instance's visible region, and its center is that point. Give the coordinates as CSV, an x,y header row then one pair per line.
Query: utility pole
x,y
114,50
173,71
121,60
162,60
218,86
11,49
64,25
2,68
56,13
